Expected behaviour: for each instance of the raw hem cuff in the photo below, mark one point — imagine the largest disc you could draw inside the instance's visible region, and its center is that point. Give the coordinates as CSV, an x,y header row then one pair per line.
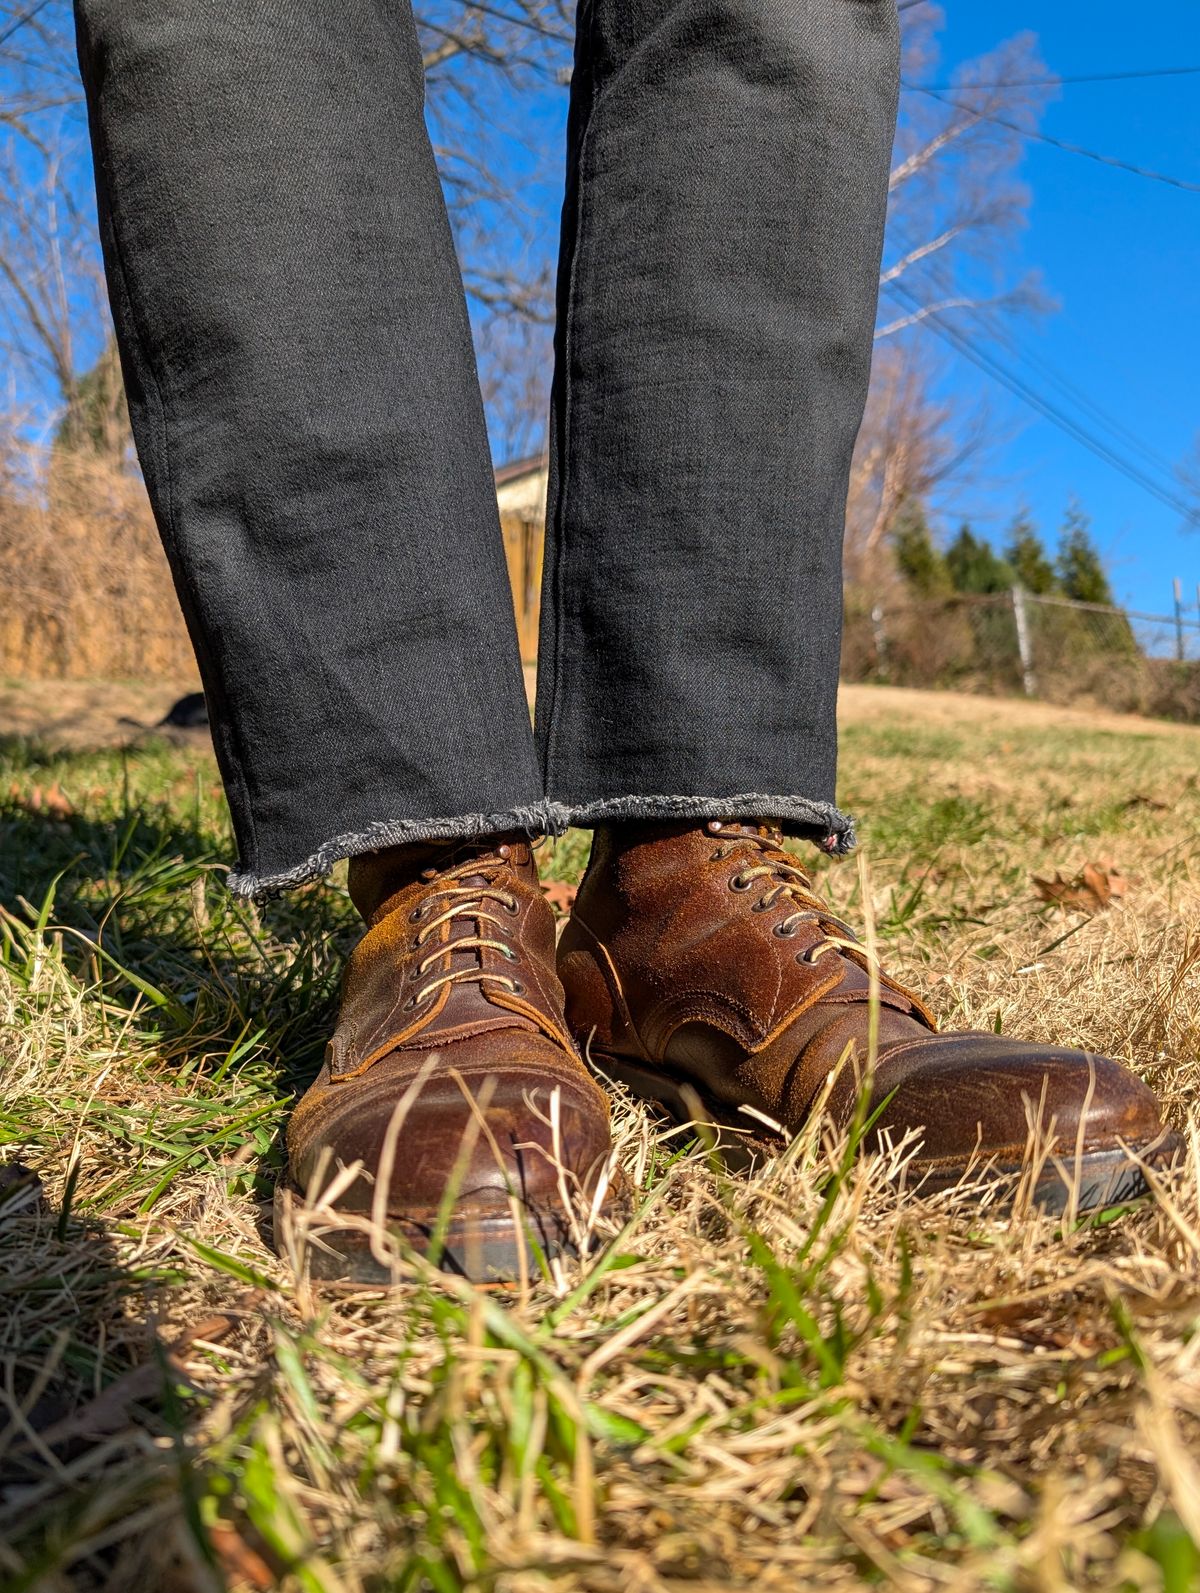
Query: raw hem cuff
x,y
540,818
820,822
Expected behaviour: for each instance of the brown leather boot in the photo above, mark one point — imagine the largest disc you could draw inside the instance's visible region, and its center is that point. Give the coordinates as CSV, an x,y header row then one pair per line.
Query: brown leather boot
x,y
451,1000
702,970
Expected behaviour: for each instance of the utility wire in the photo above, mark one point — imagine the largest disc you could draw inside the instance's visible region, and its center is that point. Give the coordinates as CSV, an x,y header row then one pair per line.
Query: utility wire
x,y
1074,394
1055,81
1044,406
991,324
1061,143
937,284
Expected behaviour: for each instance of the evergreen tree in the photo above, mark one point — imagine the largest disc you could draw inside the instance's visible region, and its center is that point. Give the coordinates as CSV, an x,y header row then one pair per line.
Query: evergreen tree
x,y
1081,577
974,566
918,558
1080,569
1027,556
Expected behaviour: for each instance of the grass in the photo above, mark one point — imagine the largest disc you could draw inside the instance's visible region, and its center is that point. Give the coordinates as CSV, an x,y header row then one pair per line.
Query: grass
x,y
771,1382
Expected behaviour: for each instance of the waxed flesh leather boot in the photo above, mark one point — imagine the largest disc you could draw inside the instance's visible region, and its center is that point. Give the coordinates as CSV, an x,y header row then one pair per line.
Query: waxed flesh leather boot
x,y
451,1030
703,971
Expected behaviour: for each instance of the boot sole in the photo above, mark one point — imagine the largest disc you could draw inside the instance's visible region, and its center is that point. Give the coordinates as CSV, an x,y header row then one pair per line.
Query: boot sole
x,y
1103,1177
483,1245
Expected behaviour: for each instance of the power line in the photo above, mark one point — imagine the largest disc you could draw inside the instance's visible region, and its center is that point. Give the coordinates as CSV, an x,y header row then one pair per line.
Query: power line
x,y
1044,406
993,327
1076,395
1061,143
1055,81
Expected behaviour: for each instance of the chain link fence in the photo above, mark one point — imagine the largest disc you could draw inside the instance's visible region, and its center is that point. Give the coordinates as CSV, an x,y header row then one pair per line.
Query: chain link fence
x,y
1015,642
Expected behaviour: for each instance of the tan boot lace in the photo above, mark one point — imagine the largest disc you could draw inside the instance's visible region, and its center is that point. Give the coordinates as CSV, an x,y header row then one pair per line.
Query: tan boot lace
x,y
791,885
470,891
457,902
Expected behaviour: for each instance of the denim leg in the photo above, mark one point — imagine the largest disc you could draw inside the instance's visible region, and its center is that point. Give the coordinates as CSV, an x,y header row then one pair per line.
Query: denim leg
x,y
727,182
305,403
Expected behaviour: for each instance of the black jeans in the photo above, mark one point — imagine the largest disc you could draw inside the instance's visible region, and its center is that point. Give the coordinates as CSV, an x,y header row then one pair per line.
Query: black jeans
x,y
305,403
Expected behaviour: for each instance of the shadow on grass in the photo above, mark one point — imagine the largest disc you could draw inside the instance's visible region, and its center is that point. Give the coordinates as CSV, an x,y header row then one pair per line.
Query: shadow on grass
x,y
94,1408
134,896
158,1030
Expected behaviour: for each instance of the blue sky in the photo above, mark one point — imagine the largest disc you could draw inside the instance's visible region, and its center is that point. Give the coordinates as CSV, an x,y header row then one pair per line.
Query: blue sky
x,y
1117,253
1120,254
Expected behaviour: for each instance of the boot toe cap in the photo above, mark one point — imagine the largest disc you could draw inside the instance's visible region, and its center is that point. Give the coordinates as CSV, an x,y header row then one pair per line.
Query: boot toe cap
x,y
527,1128
979,1094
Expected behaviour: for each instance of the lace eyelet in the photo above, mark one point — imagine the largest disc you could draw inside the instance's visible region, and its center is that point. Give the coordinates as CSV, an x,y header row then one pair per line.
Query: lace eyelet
x,y
518,989
513,908
408,1005
416,915
511,954
783,932
737,883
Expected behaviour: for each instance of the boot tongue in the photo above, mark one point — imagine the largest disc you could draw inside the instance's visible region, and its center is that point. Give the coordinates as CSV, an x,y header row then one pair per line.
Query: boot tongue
x,y
377,878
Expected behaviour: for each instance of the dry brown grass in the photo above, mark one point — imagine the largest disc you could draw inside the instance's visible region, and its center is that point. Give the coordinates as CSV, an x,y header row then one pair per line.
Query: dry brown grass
x,y
87,590
793,1379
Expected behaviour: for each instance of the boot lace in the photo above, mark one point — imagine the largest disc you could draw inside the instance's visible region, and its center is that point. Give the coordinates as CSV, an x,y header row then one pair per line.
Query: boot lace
x,y
450,901
790,885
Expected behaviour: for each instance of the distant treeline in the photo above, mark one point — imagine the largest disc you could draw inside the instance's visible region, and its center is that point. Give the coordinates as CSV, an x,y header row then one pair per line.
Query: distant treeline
x,y
970,564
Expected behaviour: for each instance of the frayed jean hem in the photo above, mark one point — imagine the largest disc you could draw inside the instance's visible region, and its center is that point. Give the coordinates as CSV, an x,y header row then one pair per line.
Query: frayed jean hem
x,y
539,818
819,822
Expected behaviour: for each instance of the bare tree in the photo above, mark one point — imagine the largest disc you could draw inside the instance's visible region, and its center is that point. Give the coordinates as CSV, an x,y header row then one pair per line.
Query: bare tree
x,y
483,64
482,61
52,316
911,445
954,198
954,205
53,301
514,370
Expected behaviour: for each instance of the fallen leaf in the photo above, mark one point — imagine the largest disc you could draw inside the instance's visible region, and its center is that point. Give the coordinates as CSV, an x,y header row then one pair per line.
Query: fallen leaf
x,y
112,1410
53,800
210,1329
20,1188
1091,891
242,1563
560,895
1024,1322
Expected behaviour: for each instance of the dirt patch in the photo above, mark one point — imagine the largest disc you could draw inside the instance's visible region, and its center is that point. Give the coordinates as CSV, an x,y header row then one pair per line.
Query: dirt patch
x,y
863,705
85,713
105,713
